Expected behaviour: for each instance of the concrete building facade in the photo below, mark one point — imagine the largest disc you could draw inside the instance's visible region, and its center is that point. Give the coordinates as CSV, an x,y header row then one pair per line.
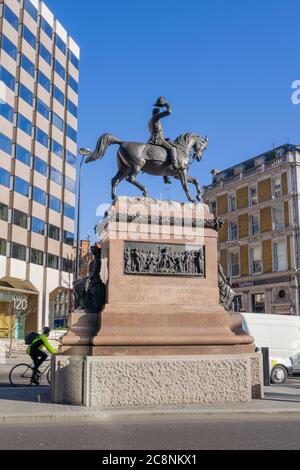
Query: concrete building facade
x,y
259,242
39,75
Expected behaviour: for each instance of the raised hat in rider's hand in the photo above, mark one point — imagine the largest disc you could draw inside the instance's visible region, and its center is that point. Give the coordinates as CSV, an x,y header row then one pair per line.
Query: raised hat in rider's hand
x,y
161,101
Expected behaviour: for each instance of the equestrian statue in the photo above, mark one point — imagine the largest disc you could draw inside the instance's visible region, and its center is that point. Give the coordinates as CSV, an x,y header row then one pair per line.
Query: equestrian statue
x,y
159,157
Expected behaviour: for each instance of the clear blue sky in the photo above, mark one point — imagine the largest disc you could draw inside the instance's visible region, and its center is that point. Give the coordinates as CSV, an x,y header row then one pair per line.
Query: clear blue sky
x,y
226,67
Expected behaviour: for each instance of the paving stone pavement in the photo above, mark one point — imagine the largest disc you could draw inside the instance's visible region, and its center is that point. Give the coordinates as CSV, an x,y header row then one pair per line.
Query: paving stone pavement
x,y
35,404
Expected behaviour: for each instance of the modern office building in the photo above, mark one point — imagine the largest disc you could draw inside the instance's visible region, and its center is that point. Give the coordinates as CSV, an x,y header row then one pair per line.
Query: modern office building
x,y
39,74
259,242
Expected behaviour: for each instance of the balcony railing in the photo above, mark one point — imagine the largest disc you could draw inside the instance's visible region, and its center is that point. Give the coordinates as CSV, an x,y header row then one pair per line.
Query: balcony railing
x,y
274,163
252,171
246,173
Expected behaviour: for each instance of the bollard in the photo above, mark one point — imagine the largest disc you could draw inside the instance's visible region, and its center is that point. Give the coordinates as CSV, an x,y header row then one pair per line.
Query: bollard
x,y
266,366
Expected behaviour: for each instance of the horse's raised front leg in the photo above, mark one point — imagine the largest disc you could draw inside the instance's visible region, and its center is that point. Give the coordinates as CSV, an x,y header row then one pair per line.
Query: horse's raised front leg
x,y
195,182
184,182
132,180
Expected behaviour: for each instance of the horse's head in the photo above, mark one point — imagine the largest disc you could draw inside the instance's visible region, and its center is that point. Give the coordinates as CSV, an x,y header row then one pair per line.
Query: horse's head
x,y
194,143
199,146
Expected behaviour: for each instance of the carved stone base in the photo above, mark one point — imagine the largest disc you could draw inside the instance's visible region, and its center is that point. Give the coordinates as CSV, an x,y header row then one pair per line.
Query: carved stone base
x,y
156,381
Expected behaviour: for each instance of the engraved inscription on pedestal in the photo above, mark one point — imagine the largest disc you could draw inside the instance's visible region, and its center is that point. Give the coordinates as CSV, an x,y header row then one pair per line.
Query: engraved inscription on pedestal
x,y
161,259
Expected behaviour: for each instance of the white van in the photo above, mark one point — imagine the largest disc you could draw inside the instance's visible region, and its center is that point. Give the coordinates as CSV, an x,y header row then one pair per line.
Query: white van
x,y
281,334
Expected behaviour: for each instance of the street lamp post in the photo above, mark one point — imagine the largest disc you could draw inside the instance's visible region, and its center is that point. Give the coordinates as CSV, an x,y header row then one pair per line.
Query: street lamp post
x,y
84,152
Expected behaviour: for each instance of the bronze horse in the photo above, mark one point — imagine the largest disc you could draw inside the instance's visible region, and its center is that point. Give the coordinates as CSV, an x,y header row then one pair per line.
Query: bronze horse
x,y
134,157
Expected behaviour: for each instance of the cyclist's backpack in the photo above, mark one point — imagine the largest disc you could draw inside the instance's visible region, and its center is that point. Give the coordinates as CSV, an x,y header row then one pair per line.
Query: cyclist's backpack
x,y
30,338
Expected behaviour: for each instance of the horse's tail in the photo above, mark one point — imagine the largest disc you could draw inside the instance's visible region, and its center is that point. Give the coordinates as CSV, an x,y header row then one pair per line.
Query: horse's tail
x,y
101,147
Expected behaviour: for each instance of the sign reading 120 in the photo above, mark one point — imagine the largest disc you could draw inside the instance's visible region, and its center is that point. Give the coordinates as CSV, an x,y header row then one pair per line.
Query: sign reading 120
x,y
20,303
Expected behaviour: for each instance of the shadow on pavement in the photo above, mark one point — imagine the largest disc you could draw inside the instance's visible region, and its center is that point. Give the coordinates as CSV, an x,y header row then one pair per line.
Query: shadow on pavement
x,y
32,394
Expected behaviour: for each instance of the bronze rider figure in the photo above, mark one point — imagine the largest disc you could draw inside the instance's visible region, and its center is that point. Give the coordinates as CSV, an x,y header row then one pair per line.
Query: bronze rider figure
x,y
157,133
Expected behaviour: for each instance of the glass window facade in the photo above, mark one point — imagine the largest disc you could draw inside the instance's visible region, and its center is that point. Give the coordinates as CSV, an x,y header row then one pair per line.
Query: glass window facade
x,y
20,219
55,176
45,54
29,37
21,186
3,212
70,184
9,47
37,257
68,238
44,81
54,232
55,203
58,95
58,122
24,124
57,148
36,57
4,178
71,159
38,195
72,108
23,155
71,133
7,111
7,78
25,94
46,27
27,65
42,108
2,247
74,60
40,166
69,211
60,44
53,261
30,8
18,252
38,226
12,19
59,69
73,83
41,137
67,265
5,144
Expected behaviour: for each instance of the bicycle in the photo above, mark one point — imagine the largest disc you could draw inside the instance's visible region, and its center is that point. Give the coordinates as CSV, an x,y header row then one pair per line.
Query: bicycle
x,y
22,375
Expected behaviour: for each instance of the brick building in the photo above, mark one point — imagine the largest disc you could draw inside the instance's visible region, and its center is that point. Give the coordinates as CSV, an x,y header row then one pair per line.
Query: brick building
x,y
259,242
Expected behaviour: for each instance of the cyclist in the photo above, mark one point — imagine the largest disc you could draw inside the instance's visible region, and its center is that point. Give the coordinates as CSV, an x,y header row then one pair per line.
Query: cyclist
x,y
37,354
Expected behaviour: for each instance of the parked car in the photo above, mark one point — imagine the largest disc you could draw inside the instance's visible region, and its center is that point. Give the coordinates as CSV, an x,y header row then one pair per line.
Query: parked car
x,y
280,369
